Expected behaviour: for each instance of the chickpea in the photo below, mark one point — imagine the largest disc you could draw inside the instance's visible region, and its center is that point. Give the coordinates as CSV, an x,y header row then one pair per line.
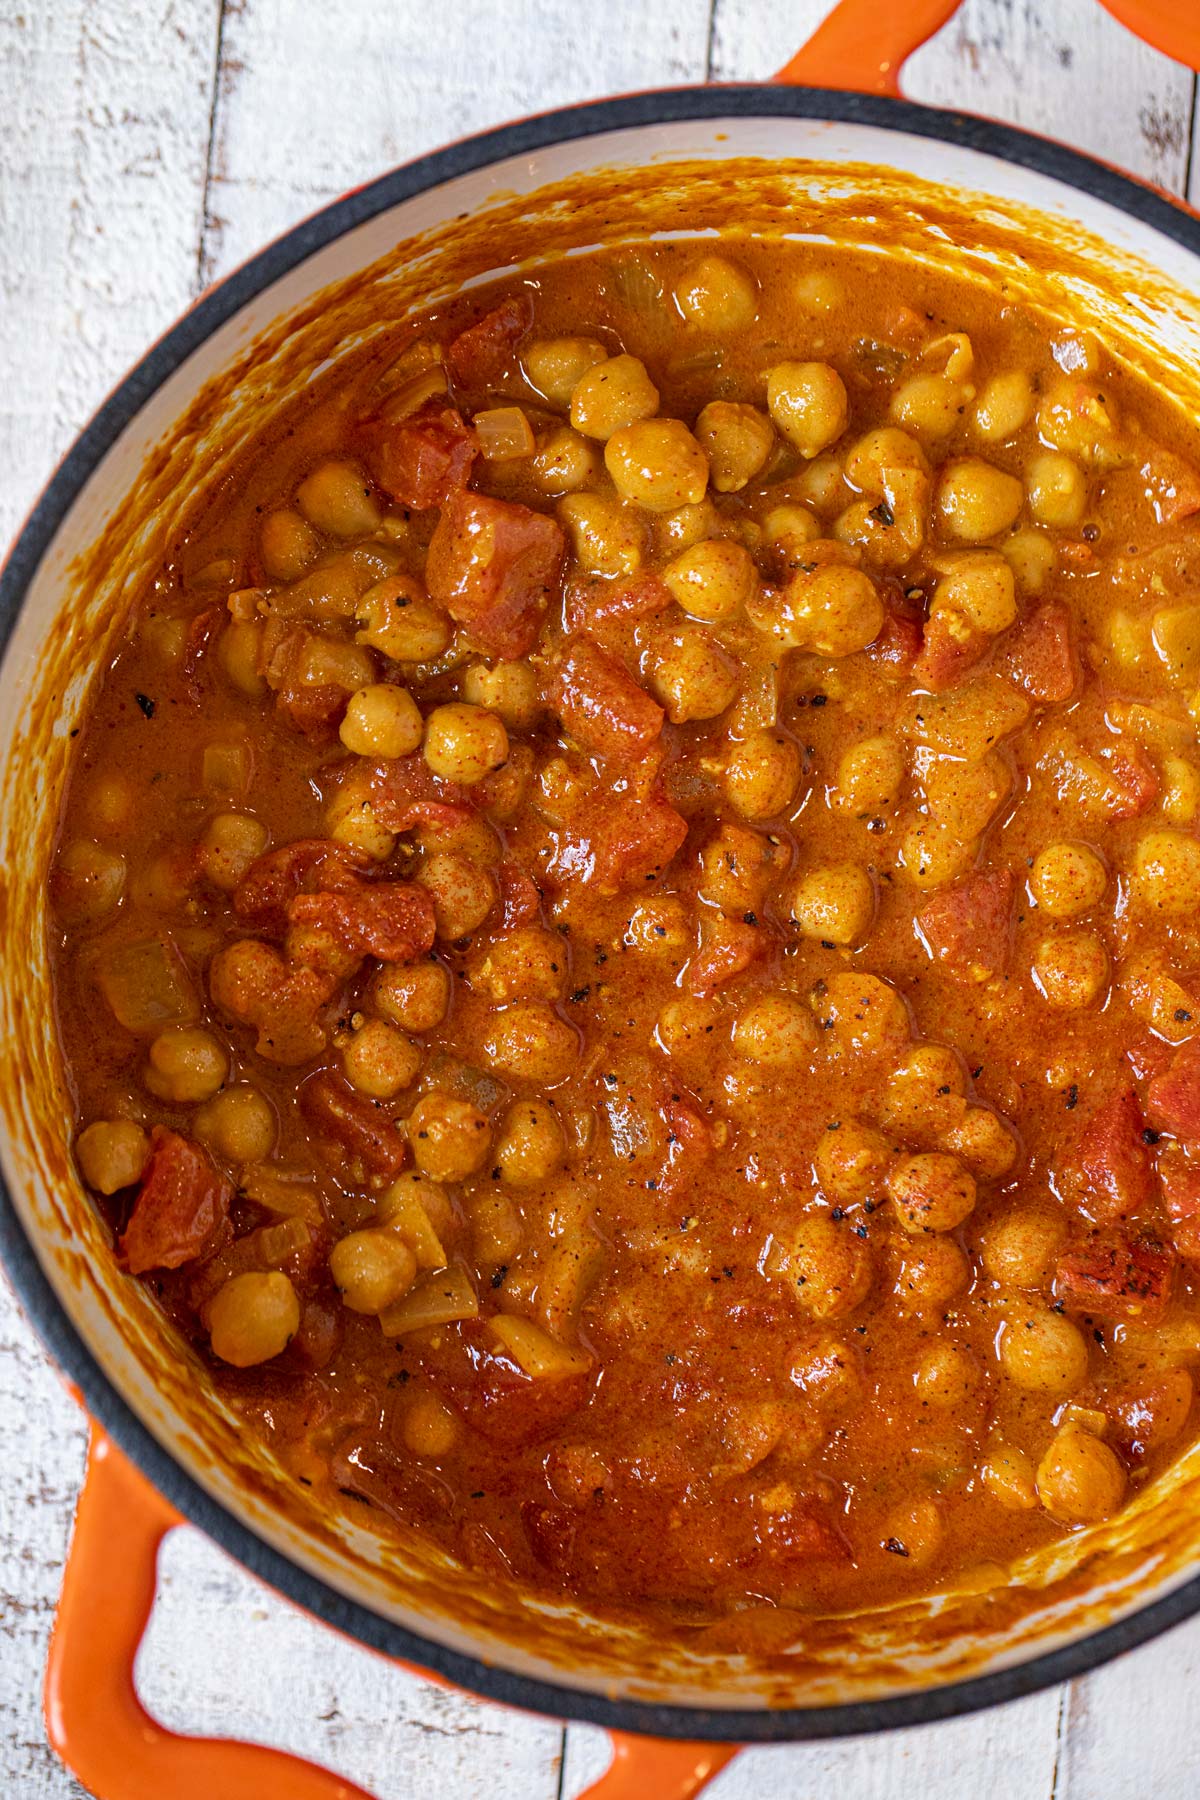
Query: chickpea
x,y
509,690
337,499
382,721
328,662
658,464
472,837
981,587
450,1138
864,1014
464,893
762,774
931,855
380,1061
1020,1248
464,743
713,580
1067,879
238,654
400,621
964,797
1043,1352
870,774
686,527
775,1031
852,1161
660,927
829,1373
287,544
787,529
112,1154
931,1192
692,675
611,395
1071,971
984,1142
529,1042
496,1230
526,963
1007,1474
807,401
948,1376
930,1271
372,1268
530,1146
832,610
1004,407
231,842
1181,791
556,366
825,1264
1057,491
1031,556
924,1094
919,1529
735,866
1166,873
818,291
606,537
716,294
737,440
930,405
350,820
565,462
89,882
1080,1480
1078,419
834,904
976,501
253,1317
185,1064
110,806
429,1428
238,1123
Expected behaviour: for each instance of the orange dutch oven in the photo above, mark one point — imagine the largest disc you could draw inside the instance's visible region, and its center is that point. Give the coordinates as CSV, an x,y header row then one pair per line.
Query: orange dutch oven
x,y
827,150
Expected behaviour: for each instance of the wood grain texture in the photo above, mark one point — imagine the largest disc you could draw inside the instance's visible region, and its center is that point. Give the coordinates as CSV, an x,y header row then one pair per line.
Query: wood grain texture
x,y
132,171
104,116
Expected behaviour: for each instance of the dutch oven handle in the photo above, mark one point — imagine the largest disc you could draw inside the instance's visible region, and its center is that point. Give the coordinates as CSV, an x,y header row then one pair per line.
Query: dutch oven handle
x,y
863,45
94,1718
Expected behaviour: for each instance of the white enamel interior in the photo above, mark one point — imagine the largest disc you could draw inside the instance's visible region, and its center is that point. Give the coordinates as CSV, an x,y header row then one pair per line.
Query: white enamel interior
x,y
112,1315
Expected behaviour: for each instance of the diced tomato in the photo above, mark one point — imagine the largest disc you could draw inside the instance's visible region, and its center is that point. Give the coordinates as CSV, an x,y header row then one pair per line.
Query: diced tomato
x,y
492,1393
362,1127
1039,655
1077,554
478,355
424,459
182,1208
1114,1276
898,644
520,898
1147,1056
1149,1415
618,843
1136,780
601,705
313,711
951,645
392,920
1173,1098
1117,1179
798,1535
594,603
263,896
494,565
1173,485
406,792
297,1248
1180,1182
968,925
729,948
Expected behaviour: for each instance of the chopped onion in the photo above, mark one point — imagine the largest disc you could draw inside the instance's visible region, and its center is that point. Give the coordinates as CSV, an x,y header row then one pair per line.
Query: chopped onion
x,y
428,385
504,432
438,1300
535,1350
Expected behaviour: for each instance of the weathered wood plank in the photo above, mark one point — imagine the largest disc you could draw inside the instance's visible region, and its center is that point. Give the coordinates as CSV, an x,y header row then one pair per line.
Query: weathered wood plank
x,y
312,103
104,114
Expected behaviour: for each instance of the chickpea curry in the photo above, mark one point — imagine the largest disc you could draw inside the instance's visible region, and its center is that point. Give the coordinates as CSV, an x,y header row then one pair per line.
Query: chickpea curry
x,y
627,930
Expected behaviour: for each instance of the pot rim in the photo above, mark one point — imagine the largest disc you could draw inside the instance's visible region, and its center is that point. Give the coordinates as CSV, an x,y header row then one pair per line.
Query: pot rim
x,y
74,1358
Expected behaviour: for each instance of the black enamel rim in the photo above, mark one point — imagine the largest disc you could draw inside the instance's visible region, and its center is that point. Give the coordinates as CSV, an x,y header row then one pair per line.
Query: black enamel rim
x,y
49,1316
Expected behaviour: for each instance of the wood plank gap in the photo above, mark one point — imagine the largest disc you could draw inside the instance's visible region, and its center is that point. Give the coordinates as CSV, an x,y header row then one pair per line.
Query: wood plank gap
x,y
710,40
1190,164
203,264
1060,1737
560,1789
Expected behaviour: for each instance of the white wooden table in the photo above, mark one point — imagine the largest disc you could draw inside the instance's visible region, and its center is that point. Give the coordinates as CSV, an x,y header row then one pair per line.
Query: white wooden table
x,y
146,147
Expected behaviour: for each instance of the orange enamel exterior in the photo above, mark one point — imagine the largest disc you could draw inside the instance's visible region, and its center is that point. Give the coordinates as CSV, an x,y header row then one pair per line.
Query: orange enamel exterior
x,y
94,1719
